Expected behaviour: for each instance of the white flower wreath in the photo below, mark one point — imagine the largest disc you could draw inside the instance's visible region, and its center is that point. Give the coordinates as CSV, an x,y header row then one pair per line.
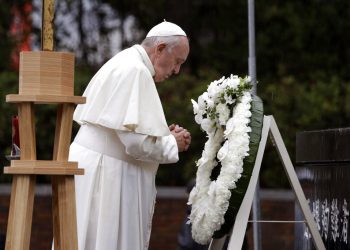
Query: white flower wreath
x,y
223,112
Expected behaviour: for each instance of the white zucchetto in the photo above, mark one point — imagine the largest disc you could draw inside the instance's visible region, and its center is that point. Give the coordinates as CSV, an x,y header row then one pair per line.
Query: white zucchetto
x,y
166,29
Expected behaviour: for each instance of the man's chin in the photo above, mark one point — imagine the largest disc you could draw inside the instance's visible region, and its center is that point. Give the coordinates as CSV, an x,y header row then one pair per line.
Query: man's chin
x,y
159,79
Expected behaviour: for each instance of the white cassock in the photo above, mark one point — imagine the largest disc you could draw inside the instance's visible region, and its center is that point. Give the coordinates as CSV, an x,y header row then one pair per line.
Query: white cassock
x,y
122,139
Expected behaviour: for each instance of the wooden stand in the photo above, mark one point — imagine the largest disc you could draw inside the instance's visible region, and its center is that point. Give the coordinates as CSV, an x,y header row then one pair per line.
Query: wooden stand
x,y
26,169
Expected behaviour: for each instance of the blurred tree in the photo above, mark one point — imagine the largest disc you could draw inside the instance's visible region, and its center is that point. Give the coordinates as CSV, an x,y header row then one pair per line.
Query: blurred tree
x,y
302,69
14,31
5,41
217,29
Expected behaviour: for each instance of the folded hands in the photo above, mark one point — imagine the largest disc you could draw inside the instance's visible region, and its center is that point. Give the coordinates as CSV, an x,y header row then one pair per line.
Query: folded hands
x,y
182,136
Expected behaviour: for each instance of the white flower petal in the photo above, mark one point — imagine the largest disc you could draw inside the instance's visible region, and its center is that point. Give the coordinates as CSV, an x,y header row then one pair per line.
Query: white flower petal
x,y
195,106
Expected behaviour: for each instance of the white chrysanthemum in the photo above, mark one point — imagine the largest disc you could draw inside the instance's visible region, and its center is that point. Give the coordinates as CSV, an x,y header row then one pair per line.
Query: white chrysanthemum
x,y
223,111
207,125
201,101
210,103
223,151
233,82
195,106
199,117
213,90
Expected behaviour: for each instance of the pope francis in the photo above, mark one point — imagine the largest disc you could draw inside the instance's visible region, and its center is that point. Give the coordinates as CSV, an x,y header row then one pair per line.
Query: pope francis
x,y
123,138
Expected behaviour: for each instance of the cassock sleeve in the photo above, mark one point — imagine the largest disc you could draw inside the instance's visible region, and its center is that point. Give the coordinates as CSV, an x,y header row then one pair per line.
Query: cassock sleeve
x,y
159,149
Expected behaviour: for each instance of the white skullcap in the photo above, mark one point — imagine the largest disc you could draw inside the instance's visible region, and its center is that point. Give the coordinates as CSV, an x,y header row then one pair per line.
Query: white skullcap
x,y
166,29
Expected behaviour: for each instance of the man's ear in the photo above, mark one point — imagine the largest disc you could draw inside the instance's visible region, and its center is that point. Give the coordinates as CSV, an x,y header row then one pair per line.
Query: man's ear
x,y
160,47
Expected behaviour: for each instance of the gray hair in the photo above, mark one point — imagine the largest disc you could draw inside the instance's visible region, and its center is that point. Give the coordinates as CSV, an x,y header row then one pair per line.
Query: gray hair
x,y
153,41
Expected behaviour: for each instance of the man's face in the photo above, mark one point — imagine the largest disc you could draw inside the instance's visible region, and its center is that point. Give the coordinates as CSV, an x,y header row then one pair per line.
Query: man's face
x,y
168,62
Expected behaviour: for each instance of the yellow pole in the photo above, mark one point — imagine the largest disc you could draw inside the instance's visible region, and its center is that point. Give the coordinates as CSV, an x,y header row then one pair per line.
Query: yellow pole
x,y
48,12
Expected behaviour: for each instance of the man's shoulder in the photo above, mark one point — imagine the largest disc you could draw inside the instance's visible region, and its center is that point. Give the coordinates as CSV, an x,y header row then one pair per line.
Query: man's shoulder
x,y
126,60
124,56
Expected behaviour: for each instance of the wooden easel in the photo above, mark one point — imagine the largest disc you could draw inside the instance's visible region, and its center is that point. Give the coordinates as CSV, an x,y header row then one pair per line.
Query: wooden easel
x,y
46,77
239,228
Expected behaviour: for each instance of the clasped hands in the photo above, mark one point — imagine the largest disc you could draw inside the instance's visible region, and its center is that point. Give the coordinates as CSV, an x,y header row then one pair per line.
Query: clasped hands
x,y
182,136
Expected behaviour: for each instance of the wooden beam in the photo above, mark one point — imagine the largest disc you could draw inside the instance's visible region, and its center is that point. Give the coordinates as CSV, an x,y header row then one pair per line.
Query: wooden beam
x,y
43,164
45,99
43,171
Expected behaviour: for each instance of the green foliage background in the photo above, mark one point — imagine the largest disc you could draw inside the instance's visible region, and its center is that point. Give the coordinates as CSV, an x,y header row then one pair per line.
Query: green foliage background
x,y
302,70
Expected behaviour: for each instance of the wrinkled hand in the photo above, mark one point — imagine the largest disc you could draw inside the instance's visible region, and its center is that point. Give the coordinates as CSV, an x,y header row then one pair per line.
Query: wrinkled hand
x,y
182,136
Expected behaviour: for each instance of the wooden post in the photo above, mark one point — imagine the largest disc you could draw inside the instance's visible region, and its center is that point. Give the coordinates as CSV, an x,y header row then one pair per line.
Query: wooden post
x,y
22,194
63,189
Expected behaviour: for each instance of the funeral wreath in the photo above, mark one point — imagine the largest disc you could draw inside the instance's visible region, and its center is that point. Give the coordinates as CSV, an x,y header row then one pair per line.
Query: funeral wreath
x,y
232,119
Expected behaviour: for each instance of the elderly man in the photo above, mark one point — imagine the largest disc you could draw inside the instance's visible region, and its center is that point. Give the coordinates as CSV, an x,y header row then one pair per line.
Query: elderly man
x,y
123,138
